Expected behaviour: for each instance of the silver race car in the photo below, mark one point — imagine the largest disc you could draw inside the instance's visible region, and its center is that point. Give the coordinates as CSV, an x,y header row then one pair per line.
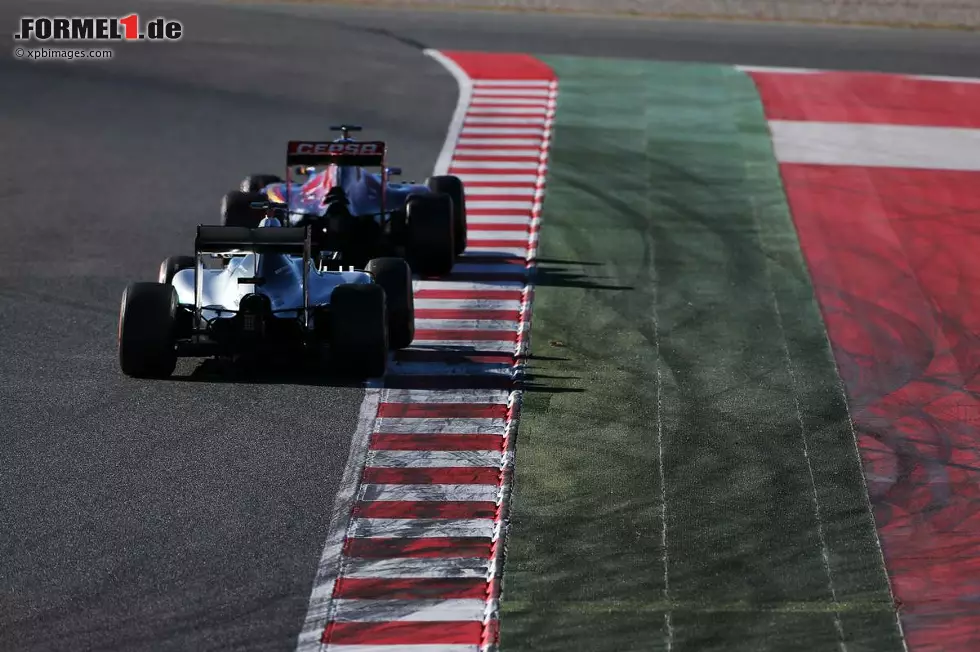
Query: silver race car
x,y
276,295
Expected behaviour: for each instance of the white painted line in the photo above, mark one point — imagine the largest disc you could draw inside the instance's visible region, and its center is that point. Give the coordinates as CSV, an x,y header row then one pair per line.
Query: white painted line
x,y
497,165
512,101
434,328
503,141
777,69
871,145
502,131
494,396
431,459
421,528
511,153
494,120
494,205
482,92
329,567
471,286
493,109
517,220
483,252
466,324
459,114
512,82
475,426
428,647
409,610
493,191
946,78
497,177
429,492
408,567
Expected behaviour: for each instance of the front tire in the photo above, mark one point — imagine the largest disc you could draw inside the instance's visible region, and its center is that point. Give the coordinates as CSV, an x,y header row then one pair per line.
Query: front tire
x,y
147,317
236,209
359,330
395,277
453,186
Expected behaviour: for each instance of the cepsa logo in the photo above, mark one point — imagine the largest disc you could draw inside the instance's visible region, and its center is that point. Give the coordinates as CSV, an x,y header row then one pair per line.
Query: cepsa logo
x,y
97,28
338,149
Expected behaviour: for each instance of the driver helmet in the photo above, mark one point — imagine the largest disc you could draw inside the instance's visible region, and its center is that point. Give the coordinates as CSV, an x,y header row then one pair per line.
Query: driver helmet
x,y
303,172
335,195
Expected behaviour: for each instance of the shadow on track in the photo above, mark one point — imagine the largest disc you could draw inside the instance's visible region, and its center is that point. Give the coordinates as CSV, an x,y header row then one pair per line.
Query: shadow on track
x,y
265,372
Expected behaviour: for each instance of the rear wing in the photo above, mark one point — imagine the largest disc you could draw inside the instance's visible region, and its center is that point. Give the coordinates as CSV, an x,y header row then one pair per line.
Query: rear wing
x,y
223,239
294,240
363,154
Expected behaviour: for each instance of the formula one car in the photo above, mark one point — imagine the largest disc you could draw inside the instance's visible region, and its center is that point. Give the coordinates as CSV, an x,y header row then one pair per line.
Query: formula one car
x,y
358,213
275,296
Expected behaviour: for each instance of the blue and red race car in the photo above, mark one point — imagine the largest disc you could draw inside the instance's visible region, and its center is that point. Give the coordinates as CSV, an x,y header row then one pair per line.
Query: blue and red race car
x,y
356,213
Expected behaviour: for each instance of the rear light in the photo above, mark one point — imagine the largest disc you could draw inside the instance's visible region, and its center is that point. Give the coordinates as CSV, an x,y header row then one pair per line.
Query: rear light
x,y
254,310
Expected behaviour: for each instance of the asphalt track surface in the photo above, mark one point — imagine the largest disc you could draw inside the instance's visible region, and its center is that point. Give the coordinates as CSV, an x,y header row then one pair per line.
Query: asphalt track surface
x,y
190,514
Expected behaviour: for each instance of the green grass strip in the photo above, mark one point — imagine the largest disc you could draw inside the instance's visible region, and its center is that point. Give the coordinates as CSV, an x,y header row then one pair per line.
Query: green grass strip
x,y
674,313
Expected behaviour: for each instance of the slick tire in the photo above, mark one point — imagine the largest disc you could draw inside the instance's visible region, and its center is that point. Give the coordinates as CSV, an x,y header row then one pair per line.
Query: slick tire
x,y
359,330
453,186
431,236
256,182
236,209
147,348
170,266
395,277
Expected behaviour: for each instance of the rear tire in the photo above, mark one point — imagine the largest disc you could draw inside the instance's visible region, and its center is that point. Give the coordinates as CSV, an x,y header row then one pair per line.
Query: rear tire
x,y
453,186
173,264
431,240
359,330
256,182
147,347
395,277
236,209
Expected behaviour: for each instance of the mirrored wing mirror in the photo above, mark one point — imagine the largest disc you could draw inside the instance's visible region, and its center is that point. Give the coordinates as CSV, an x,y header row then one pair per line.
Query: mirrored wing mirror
x,y
394,171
